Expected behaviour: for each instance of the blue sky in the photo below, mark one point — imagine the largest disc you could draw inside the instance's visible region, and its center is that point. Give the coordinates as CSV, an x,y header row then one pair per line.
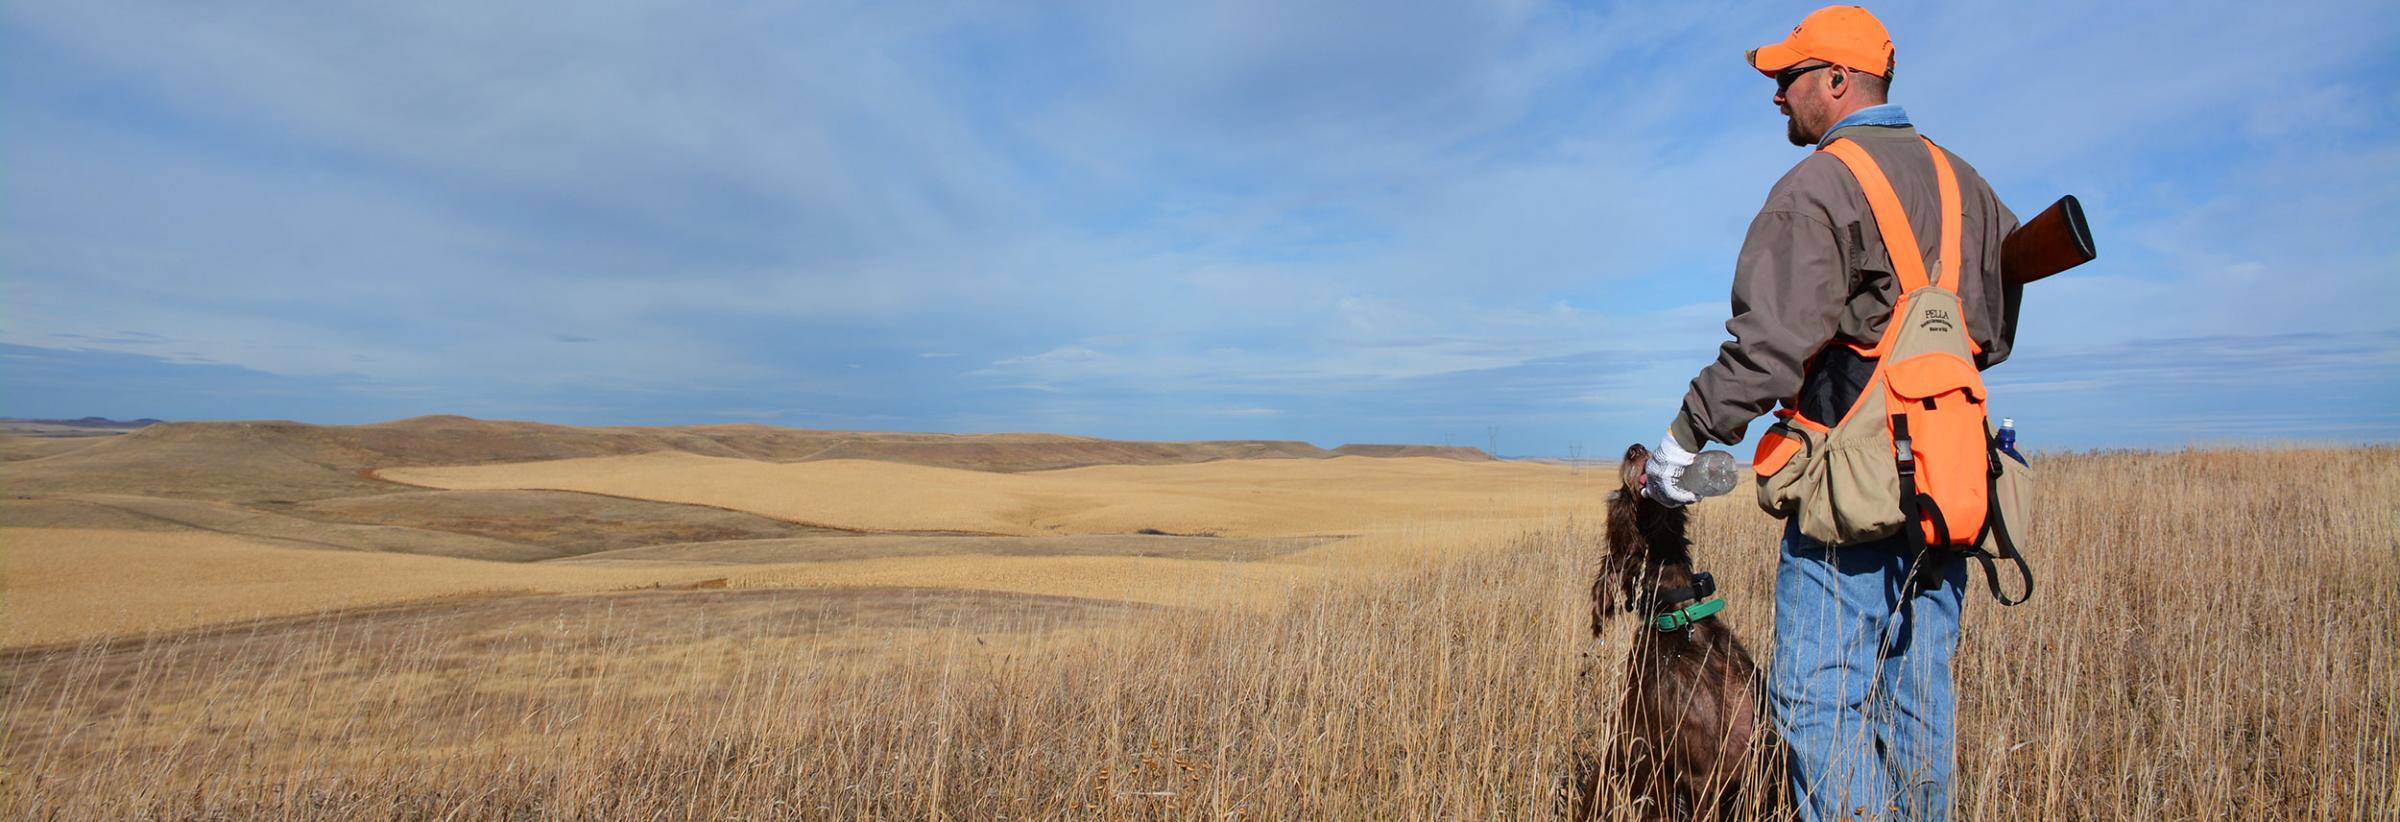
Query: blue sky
x,y
1338,222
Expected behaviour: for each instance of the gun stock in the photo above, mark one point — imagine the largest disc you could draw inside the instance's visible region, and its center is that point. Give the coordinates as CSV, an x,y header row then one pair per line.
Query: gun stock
x,y
2056,240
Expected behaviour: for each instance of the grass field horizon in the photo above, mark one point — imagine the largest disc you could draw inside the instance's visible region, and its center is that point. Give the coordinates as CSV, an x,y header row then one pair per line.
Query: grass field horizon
x,y
467,619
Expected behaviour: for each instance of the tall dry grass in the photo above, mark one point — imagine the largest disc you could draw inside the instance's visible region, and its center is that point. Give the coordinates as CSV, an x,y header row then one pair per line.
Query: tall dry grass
x,y
2216,637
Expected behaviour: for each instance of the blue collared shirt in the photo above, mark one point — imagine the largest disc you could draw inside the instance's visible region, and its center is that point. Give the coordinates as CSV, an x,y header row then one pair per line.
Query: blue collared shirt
x,y
1887,114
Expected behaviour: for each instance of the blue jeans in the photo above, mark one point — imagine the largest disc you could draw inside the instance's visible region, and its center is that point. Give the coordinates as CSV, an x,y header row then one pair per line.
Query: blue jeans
x,y
1861,679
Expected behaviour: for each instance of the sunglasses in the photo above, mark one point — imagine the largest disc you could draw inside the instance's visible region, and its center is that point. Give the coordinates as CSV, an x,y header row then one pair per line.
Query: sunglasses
x,y
1785,78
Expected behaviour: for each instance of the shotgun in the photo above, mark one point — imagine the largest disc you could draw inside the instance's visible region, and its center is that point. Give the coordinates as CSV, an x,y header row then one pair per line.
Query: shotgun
x,y
2056,240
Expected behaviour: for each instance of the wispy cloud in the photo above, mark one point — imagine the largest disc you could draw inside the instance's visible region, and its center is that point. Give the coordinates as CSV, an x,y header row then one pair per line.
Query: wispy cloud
x,y
1382,221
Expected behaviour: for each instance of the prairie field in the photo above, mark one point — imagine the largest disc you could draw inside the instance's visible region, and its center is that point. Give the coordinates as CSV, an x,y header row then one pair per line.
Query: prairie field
x,y
822,632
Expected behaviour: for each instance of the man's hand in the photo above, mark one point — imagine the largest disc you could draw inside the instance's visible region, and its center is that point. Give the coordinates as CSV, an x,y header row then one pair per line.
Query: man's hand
x,y
1665,482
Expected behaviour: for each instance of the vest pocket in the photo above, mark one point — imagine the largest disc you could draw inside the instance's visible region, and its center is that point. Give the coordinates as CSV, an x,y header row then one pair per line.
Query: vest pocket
x,y
1791,436
1861,494
1788,463
1838,483
2012,498
1941,395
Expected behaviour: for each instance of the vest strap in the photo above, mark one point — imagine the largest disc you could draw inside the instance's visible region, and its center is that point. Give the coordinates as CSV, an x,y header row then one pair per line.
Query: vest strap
x,y
1953,216
1900,238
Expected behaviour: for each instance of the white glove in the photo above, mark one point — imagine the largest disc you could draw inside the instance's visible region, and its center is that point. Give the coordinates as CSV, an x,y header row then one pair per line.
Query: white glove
x,y
1665,485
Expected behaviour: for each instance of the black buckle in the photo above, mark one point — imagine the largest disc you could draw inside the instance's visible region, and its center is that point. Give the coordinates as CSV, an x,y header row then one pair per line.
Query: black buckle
x,y
1902,448
1704,585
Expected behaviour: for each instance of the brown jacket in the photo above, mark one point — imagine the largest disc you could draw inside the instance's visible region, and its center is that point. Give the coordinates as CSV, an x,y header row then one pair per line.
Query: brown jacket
x,y
1814,273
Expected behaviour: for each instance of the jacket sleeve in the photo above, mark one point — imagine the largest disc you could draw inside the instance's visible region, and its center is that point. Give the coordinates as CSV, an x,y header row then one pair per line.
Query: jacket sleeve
x,y
1994,324
1789,286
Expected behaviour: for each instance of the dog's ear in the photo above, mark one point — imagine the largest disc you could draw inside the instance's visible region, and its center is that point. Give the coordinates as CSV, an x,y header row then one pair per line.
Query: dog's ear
x,y
1604,593
1634,469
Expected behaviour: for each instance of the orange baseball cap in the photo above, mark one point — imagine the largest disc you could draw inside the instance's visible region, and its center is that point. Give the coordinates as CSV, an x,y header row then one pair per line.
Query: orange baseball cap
x,y
1846,36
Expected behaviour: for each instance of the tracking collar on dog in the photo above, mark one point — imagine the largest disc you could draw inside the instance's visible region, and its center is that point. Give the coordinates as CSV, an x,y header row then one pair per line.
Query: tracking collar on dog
x,y
1683,617
1703,585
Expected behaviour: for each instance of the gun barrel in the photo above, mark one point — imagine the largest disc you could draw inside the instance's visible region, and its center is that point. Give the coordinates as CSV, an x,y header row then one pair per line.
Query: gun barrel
x,y
2056,240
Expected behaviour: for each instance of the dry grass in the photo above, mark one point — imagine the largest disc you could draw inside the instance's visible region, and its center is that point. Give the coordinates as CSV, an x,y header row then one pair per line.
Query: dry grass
x,y
1228,498
139,513
2217,636
871,546
89,565
70,584
14,447
66,585
568,524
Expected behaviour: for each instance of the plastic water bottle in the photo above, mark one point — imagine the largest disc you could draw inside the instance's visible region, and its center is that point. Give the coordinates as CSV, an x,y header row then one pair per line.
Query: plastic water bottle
x,y
2008,440
1712,473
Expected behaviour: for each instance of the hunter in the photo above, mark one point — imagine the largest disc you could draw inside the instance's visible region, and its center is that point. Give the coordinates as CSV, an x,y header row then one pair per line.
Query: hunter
x,y
1860,685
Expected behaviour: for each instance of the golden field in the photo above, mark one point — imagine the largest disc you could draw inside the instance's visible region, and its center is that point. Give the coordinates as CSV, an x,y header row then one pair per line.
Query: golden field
x,y
1223,498
2217,635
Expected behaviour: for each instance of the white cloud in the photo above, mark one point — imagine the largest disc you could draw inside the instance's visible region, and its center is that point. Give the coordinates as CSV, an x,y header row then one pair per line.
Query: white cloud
x,y
1254,200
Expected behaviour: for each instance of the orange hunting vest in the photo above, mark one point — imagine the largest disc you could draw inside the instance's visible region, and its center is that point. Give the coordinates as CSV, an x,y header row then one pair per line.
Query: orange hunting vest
x,y
1915,453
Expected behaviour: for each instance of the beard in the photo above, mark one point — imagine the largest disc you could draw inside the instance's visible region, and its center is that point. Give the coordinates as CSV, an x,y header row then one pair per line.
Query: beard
x,y
1793,132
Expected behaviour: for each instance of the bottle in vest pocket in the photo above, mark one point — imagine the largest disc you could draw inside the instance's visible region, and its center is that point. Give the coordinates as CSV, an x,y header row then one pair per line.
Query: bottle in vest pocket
x,y
2008,440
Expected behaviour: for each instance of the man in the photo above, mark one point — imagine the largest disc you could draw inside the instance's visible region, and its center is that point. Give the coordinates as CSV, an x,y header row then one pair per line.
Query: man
x,y
1861,683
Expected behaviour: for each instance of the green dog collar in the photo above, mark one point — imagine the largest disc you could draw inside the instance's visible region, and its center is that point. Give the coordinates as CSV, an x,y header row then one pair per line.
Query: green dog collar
x,y
1683,617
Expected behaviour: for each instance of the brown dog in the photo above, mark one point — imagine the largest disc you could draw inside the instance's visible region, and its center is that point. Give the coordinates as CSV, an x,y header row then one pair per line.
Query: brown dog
x,y
1689,733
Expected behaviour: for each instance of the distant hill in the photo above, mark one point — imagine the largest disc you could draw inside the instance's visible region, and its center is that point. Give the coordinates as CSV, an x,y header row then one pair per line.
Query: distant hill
x,y
272,460
87,422
85,427
1453,452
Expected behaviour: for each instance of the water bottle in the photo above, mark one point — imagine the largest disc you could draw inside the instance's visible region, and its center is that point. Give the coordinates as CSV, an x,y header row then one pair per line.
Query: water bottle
x,y
2008,440
1712,473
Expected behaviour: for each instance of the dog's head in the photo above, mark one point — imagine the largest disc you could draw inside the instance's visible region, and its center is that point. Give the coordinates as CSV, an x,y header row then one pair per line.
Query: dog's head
x,y
1645,539
1633,473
